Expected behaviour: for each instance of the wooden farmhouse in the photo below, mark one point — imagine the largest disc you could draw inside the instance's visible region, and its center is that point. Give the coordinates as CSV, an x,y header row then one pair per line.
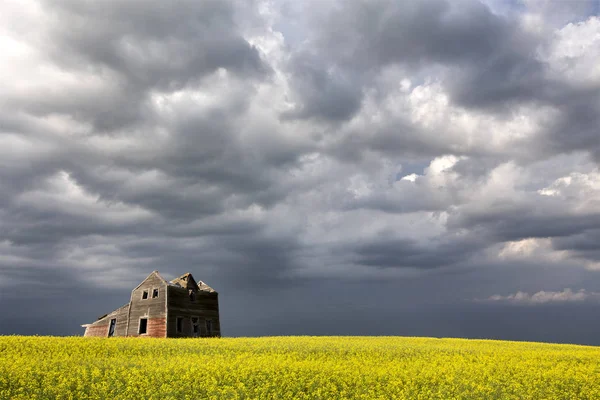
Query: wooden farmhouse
x,y
157,308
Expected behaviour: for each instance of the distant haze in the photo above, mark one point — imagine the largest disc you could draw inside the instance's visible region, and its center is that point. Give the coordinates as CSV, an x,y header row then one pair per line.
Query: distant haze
x,y
350,167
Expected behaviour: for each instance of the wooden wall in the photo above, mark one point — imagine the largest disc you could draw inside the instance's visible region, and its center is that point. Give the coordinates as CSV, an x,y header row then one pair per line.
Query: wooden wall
x,y
101,327
154,309
121,316
96,331
205,307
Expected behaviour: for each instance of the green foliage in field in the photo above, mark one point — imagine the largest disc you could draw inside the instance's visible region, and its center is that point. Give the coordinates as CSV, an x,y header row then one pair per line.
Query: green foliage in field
x,y
294,367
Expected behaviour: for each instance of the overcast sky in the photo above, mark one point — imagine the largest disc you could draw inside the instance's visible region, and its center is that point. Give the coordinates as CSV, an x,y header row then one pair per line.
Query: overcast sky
x,y
344,167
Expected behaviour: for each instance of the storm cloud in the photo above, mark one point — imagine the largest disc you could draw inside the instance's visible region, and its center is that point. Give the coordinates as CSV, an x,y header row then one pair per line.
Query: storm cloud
x,y
338,167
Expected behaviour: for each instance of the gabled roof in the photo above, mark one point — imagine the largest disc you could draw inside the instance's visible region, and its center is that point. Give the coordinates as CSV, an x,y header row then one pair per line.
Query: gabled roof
x,y
187,281
125,306
205,288
152,273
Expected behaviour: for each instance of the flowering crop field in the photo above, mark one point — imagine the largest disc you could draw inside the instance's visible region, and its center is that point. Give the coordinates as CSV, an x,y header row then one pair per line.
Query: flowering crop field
x,y
294,368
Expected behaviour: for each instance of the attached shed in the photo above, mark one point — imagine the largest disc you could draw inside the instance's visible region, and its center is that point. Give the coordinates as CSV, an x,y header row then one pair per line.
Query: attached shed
x,y
182,307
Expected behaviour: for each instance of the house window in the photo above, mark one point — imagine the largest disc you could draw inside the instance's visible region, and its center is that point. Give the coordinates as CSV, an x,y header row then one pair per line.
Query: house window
x,y
144,295
143,326
111,329
155,293
179,324
192,295
195,327
209,326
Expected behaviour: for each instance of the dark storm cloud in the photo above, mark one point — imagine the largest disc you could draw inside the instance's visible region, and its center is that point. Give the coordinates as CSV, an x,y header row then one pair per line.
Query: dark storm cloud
x,y
157,45
396,137
485,61
133,49
577,127
539,217
325,93
488,59
406,253
505,78
512,221
382,32
584,245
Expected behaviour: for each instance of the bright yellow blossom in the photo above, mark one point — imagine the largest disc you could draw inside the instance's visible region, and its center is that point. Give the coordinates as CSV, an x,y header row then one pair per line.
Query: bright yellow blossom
x,y
294,368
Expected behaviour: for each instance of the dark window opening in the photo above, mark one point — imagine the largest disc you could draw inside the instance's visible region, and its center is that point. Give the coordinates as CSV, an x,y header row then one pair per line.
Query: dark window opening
x,y
192,295
143,326
179,324
144,295
111,329
209,326
195,327
155,293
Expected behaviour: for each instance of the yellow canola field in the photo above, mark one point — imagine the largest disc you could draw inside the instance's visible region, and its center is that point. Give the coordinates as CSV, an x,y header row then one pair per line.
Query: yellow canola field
x,y
294,368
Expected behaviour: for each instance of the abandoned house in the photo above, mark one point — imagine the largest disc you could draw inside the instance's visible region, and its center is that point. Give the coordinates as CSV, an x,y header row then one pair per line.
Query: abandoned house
x,y
157,308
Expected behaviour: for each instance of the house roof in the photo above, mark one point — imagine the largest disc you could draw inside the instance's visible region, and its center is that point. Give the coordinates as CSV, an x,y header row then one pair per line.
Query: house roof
x,y
187,281
205,288
152,273
100,318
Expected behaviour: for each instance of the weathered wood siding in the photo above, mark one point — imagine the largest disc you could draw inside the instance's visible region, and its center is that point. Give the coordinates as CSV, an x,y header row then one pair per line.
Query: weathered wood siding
x,y
153,309
101,327
96,331
121,316
162,312
205,307
157,327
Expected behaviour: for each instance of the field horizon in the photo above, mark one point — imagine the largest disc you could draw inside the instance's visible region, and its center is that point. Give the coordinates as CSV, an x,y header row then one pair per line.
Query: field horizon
x,y
313,336
310,367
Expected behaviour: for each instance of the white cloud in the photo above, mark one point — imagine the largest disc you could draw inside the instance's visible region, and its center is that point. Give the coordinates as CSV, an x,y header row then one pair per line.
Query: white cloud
x,y
579,189
574,53
410,177
534,249
543,297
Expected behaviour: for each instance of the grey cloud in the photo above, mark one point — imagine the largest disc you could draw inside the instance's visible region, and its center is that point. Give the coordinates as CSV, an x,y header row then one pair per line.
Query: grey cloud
x,y
577,127
584,245
29,226
484,60
356,39
383,32
408,253
395,138
158,45
403,197
560,13
509,221
324,93
504,78
476,169
132,50
490,58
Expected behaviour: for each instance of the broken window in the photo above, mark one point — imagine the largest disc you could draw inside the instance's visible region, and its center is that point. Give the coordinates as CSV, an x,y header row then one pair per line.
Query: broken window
x,y
195,326
143,326
155,293
179,324
209,326
192,295
144,295
111,329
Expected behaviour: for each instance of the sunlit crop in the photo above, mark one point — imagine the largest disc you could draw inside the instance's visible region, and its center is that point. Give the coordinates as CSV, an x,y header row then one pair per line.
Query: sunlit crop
x,y
294,367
